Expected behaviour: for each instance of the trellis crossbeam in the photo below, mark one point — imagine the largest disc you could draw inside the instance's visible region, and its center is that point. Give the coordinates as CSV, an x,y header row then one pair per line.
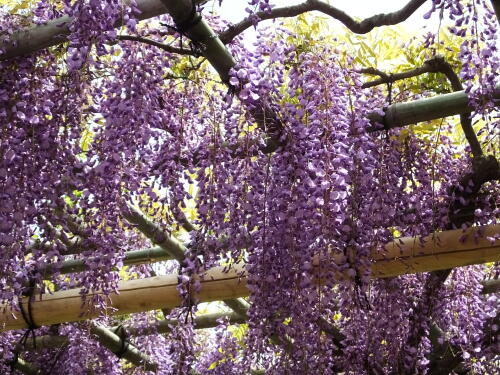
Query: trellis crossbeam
x,y
203,321
408,255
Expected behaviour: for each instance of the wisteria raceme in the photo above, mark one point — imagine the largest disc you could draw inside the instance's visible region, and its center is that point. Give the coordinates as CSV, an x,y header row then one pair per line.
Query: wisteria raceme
x,y
476,23
103,125
92,25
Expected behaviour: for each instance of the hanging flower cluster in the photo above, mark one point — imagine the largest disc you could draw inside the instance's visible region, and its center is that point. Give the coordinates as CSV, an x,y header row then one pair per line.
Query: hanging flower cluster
x,y
283,171
476,23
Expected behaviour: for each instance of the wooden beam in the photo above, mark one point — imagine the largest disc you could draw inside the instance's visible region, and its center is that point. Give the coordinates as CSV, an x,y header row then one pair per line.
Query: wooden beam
x,y
407,255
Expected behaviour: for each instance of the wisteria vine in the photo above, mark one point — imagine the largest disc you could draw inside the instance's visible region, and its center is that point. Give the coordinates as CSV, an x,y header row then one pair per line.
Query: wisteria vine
x,y
101,125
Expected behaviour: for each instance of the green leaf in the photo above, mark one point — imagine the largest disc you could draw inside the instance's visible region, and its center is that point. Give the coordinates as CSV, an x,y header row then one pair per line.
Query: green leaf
x,y
87,138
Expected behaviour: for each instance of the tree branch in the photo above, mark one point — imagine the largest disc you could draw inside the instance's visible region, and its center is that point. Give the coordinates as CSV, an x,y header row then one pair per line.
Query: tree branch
x,y
484,169
26,367
358,27
421,316
491,286
444,356
435,65
165,47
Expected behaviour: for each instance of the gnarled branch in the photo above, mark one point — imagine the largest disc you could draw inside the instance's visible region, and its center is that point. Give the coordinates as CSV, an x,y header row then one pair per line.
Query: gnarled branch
x,y
358,27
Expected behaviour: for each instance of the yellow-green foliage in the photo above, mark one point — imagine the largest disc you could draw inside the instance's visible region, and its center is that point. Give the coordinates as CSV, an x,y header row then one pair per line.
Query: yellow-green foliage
x,y
391,50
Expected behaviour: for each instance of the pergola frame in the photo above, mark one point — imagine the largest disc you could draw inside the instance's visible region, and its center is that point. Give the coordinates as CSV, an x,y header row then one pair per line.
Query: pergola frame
x,y
230,286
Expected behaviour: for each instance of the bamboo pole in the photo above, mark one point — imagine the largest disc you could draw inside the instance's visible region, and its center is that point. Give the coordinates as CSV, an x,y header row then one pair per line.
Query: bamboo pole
x,y
203,321
134,296
449,249
143,256
155,233
408,255
38,37
163,326
107,338
26,367
157,254
171,246
200,322
115,343
402,114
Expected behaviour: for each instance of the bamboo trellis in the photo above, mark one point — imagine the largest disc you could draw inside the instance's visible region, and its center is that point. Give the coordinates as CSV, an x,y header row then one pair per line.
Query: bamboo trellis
x,y
440,251
160,292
